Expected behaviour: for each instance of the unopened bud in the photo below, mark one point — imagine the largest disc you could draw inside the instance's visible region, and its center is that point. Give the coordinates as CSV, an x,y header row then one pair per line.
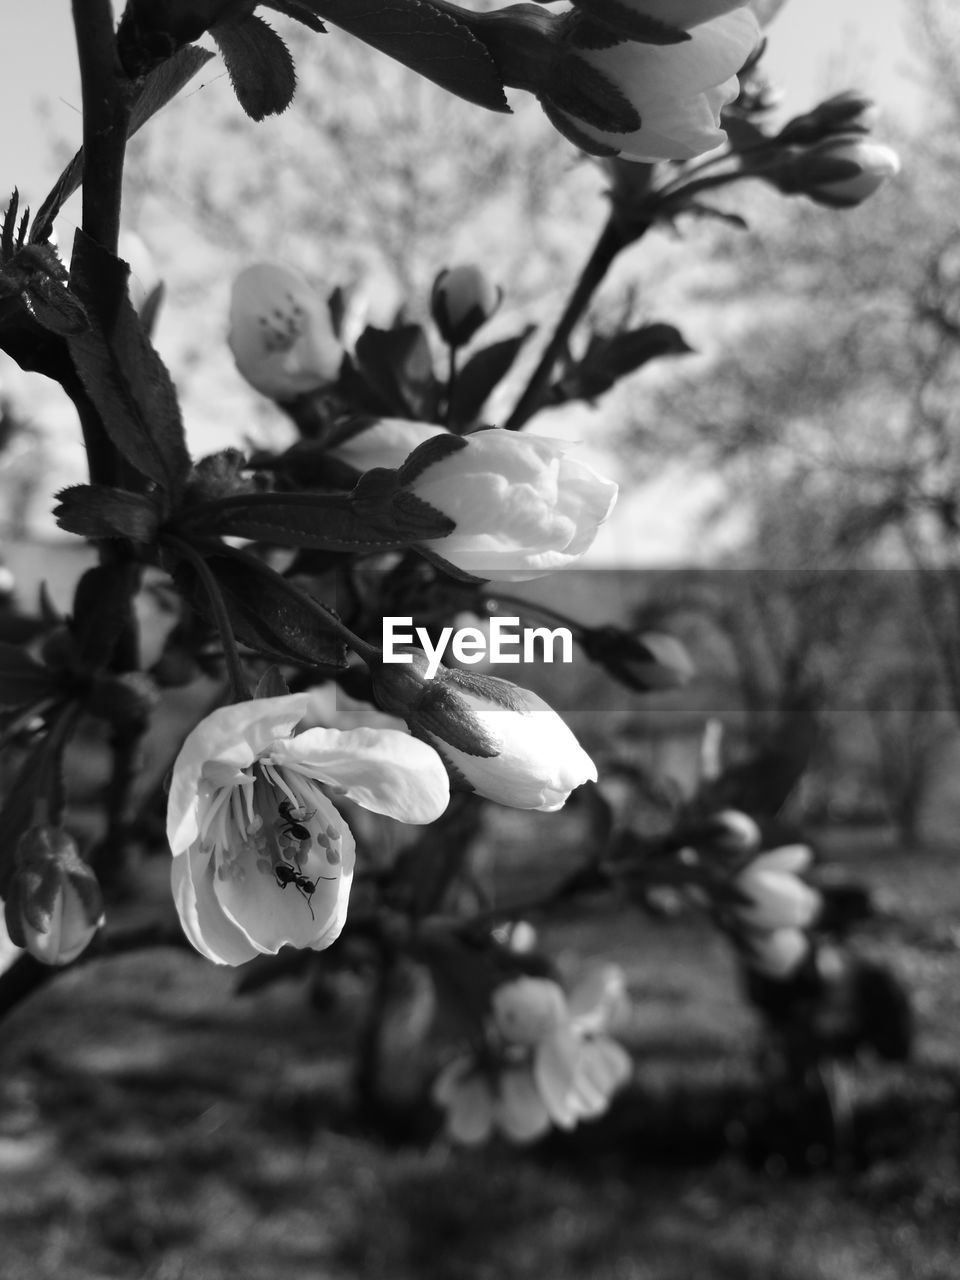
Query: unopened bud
x,y
644,662
846,113
496,739
528,1009
840,172
54,905
728,832
462,300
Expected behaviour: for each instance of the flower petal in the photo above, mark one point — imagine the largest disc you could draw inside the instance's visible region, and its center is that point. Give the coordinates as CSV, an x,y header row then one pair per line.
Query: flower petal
x,y
381,769
201,916
271,916
234,735
520,1113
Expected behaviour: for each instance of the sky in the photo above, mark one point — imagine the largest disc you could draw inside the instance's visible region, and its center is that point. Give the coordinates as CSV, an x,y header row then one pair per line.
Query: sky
x,y
815,47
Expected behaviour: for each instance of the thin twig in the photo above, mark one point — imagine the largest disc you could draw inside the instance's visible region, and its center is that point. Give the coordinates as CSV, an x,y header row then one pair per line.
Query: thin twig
x,y
605,250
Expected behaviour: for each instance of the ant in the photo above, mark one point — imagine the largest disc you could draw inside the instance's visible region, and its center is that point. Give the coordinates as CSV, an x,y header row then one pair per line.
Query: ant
x,y
285,874
293,826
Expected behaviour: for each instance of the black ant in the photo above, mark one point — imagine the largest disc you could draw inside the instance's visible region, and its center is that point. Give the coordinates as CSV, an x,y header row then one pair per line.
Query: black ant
x,y
285,874
294,826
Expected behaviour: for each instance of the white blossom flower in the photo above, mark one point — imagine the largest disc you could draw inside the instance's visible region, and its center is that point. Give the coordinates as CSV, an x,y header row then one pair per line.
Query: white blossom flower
x,y
522,508
261,857
678,90
281,333
529,757
549,1062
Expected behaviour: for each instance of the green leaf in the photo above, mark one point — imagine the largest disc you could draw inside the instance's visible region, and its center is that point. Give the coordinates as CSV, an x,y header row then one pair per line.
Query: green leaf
x,y
480,375
325,522
433,43
607,359
100,511
300,10
121,372
630,23
259,63
397,365
159,87
264,615
23,680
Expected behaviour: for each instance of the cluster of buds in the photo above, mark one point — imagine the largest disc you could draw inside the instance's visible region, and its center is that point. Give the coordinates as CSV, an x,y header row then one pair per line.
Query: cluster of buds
x,y
53,903
768,908
546,1060
828,155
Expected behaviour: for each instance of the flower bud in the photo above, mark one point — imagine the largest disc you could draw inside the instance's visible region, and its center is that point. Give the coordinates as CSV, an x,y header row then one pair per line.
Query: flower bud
x,y
527,1009
54,905
522,508
774,897
729,833
648,661
840,172
776,953
496,739
847,112
650,101
281,333
462,300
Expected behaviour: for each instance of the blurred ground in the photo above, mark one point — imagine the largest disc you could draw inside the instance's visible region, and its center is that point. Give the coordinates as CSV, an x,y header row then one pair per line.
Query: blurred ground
x,y
152,1124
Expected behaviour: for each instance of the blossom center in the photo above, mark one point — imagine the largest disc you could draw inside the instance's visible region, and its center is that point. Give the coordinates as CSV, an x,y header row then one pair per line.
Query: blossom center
x,y
273,821
282,328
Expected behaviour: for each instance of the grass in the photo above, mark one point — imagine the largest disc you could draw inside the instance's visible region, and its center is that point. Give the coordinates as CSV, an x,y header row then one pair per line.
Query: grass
x,y
153,1124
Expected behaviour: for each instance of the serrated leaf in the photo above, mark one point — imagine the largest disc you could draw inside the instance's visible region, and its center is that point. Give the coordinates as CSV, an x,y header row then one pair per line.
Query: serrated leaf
x,y
7,233
299,10
433,43
54,307
582,90
321,521
268,618
100,511
23,680
480,375
631,23
157,89
365,521
121,372
607,359
259,64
